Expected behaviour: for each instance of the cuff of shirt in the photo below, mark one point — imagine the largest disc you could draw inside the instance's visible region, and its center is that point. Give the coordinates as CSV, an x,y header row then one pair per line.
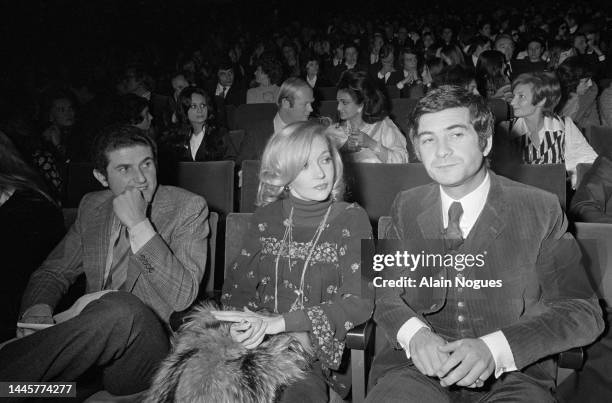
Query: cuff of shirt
x,y
502,354
601,58
407,332
400,85
140,234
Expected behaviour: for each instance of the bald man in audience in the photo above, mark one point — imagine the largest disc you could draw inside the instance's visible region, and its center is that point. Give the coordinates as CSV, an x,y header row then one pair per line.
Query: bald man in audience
x,y
295,99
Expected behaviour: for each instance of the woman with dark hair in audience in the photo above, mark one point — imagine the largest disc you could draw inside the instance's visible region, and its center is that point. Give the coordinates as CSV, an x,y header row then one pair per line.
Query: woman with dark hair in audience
x,y
195,136
410,78
387,75
299,270
31,224
312,75
59,135
134,110
451,54
578,93
267,77
366,133
537,135
490,77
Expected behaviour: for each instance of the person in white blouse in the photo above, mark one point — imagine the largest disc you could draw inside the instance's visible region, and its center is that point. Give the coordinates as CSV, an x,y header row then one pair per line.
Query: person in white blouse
x,y
366,133
537,135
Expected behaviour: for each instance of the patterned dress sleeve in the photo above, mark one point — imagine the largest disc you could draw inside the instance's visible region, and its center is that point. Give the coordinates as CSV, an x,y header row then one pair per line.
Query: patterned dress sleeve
x,y
348,307
240,285
45,164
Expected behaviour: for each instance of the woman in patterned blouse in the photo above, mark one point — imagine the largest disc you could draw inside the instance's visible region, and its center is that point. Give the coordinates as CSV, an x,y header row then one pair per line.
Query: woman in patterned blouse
x,y
299,269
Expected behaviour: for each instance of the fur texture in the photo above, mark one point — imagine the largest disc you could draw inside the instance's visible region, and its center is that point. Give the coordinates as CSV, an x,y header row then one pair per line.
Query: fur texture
x,y
206,365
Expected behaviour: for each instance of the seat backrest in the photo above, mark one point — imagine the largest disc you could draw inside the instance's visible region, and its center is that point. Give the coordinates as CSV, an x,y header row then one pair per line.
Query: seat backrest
x,y
581,169
601,140
211,266
401,109
213,180
329,109
248,116
374,186
236,227
595,241
549,177
326,93
500,109
393,92
250,184
233,140
79,181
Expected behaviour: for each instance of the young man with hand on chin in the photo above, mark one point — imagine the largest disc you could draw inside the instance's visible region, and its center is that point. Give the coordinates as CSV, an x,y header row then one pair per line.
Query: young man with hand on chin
x,y
142,248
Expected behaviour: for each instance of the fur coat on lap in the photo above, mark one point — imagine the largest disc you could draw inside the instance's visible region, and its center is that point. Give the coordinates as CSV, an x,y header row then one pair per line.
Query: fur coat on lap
x,y
207,365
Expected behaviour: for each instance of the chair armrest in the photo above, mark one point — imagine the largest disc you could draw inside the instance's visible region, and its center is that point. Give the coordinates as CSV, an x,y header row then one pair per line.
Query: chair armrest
x,y
572,358
358,337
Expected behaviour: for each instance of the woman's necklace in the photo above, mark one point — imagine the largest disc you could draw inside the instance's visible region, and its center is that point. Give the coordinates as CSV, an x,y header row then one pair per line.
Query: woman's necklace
x,y
287,243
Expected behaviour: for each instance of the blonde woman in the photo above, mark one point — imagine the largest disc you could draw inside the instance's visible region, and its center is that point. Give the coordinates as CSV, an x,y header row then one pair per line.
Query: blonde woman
x,y
299,267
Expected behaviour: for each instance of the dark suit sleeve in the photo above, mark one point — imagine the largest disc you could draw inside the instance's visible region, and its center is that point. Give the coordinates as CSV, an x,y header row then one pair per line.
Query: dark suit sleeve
x,y
60,269
566,312
391,311
589,202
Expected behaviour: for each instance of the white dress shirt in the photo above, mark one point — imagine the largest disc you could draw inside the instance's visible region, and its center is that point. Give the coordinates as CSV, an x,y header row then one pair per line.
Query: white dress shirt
x,y
194,143
472,204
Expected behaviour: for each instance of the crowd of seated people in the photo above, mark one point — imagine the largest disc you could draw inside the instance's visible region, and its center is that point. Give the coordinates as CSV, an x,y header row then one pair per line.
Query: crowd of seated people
x,y
142,111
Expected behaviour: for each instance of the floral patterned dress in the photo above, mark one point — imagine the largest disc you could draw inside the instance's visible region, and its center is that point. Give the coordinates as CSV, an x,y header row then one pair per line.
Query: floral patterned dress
x,y
333,284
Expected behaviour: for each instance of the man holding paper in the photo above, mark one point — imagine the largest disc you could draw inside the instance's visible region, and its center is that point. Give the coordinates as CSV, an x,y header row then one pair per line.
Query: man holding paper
x,y
142,248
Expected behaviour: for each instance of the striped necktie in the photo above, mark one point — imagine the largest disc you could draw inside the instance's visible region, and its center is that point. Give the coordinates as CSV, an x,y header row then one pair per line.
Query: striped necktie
x,y
121,256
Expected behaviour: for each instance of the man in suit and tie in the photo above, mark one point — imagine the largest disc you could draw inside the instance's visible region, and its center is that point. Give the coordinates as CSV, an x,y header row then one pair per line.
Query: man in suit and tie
x,y
484,327
351,57
142,248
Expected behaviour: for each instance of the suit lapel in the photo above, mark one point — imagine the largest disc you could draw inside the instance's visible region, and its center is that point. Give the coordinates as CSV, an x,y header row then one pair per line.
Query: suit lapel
x,y
101,229
430,219
491,221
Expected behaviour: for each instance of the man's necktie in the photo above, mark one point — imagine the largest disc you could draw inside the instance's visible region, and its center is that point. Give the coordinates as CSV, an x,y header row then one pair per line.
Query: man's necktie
x,y
121,255
224,91
453,238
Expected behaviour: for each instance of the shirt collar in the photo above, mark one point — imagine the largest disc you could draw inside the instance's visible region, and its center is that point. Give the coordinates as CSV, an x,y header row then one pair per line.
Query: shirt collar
x,y
472,204
279,123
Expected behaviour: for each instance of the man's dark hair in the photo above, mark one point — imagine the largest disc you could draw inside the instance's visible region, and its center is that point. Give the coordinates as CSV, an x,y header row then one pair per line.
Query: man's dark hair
x,y
450,96
115,137
364,91
130,109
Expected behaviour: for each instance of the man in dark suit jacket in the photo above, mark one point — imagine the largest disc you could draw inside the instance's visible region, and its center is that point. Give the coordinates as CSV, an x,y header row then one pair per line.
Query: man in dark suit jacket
x,y
142,248
226,91
511,291
351,57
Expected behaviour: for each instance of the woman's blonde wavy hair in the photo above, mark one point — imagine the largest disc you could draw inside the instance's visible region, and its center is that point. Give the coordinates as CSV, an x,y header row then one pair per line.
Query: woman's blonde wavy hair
x,y
285,156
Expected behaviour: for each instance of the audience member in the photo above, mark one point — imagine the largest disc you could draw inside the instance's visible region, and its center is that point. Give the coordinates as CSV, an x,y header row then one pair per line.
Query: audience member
x,y
195,136
490,77
410,80
267,77
578,93
295,99
506,45
537,135
366,133
457,342
300,194
32,225
142,248
134,110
